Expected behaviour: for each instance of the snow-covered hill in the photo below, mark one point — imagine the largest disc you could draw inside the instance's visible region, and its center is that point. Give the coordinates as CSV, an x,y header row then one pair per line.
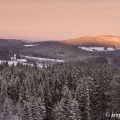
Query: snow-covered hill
x,y
97,40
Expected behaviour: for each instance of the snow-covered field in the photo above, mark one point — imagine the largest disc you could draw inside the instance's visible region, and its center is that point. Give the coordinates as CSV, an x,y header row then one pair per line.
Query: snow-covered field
x,y
31,45
43,59
15,63
9,62
34,58
93,49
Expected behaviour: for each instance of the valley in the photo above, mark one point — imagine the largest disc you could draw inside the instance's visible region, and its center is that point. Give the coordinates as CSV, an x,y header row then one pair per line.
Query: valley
x,y
84,49
42,79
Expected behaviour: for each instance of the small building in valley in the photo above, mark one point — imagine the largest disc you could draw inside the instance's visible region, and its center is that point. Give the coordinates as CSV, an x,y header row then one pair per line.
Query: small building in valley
x,y
14,58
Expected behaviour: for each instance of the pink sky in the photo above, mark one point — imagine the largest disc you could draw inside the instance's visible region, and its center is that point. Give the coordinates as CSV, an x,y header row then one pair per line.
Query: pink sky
x,y
58,19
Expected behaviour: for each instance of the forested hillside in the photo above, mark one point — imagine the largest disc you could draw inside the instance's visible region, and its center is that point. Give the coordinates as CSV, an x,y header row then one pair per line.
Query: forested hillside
x,y
64,91
46,49
57,50
11,43
54,50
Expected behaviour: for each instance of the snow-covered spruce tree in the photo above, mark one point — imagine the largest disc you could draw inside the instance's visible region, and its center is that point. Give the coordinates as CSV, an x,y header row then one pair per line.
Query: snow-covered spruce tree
x,y
58,112
88,102
24,112
1,82
77,109
67,108
47,96
83,97
24,107
19,111
98,88
73,110
40,92
95,95
4,90
41,102
60,108
34,109
115,94
41,108
33,87
14,89
22,94
6,112
55,88
1,79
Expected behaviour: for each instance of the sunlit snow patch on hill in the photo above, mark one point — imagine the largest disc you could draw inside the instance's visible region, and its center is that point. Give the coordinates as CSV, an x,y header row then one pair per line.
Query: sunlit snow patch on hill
x,y
94,49
31,45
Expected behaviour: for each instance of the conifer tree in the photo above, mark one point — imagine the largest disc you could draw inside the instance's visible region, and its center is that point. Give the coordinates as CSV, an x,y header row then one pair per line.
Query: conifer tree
x,y
6,114
25,112
4,90
41,108
58,111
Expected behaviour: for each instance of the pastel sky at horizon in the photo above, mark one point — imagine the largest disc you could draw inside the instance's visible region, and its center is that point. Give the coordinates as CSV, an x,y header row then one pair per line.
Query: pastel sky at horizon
x,y
58,19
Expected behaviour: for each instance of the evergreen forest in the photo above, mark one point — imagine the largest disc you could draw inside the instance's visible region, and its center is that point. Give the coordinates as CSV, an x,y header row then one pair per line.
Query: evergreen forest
x,y
63,91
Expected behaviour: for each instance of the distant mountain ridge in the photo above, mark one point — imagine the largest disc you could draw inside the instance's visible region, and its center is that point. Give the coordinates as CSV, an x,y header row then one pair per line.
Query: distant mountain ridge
x,y
27,41
102,39
14,41
11,43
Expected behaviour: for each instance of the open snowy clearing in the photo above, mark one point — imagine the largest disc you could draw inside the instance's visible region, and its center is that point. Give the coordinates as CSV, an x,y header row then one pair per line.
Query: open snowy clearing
x,y
33,58
31,45
9,62
43,59
94,49
15,63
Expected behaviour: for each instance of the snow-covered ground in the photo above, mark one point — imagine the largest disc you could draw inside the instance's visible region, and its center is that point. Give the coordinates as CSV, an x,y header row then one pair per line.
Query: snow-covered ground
x,y
92,49
111,49
43,59
9,62
15,63
86,48
31,45
34,58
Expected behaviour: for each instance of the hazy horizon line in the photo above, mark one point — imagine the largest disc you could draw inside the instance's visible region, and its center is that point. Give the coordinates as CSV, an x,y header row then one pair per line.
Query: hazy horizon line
x,y
45,39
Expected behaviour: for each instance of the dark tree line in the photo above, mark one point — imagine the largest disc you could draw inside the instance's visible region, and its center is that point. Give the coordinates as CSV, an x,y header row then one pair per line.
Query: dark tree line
x,y
6,54
62,91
